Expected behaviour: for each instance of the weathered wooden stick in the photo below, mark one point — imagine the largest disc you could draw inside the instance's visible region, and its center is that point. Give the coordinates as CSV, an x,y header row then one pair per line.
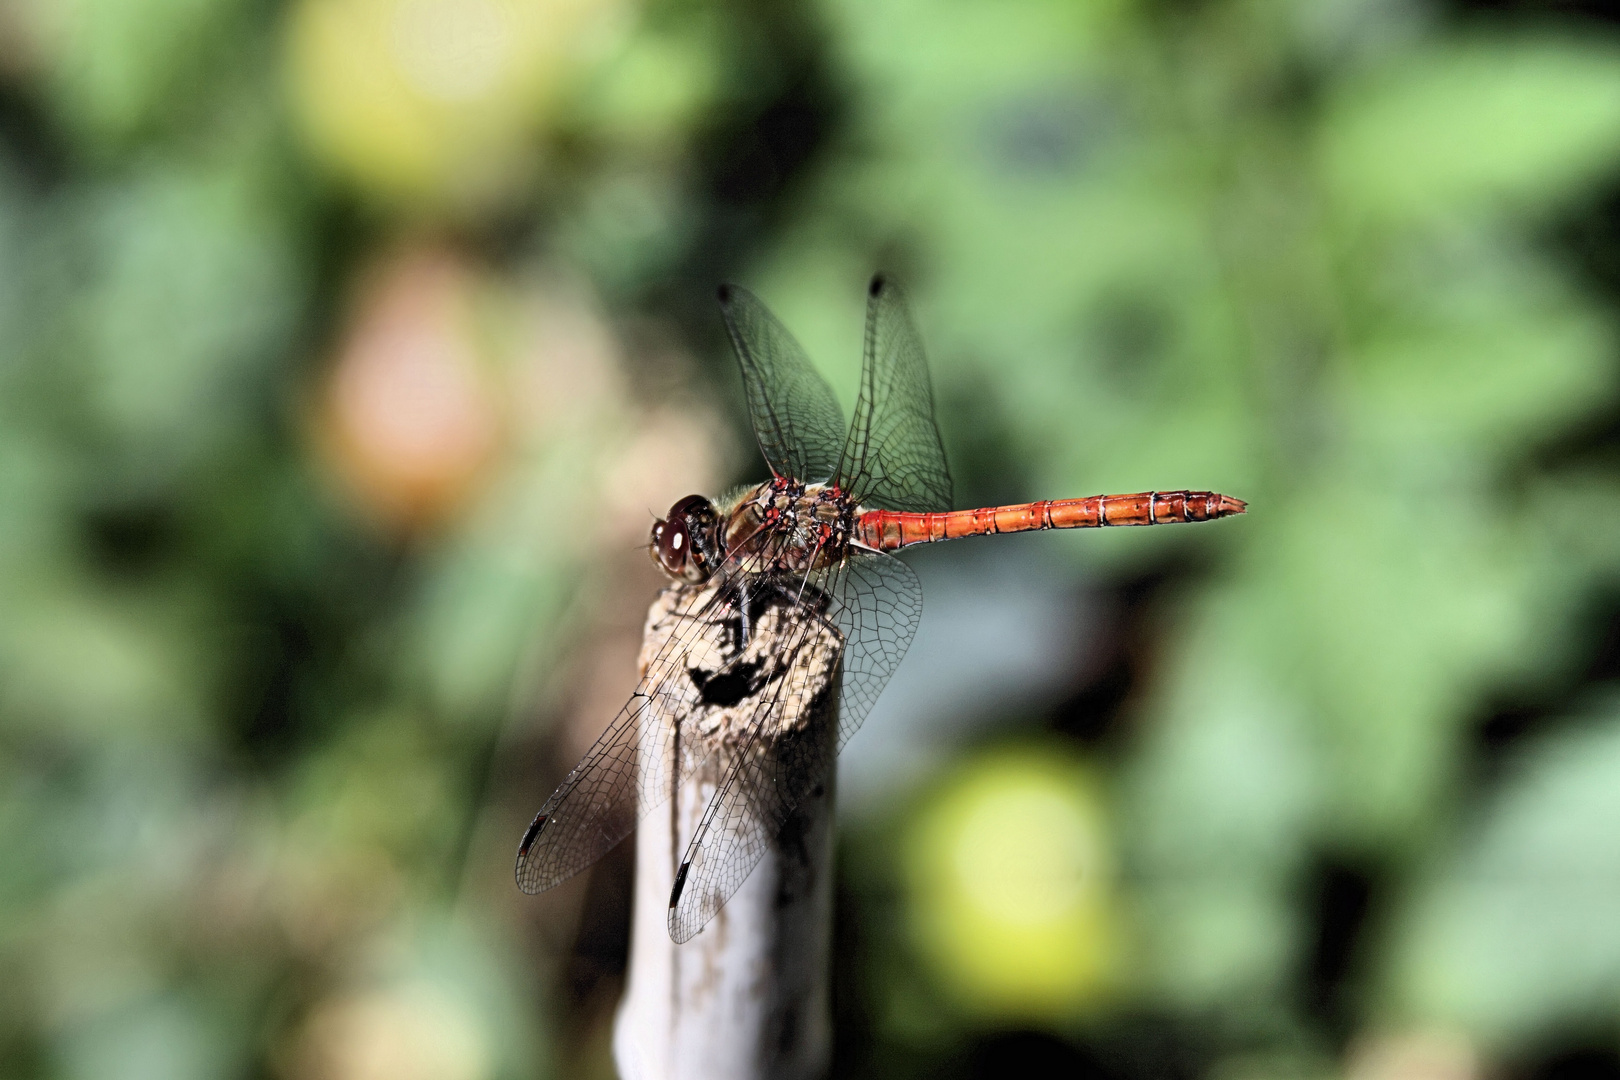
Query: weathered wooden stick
x,y
747,998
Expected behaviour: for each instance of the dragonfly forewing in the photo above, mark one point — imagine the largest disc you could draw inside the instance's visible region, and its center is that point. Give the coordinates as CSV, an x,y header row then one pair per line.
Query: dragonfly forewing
x,y
843,631
893,456
690,655
766,755
795,415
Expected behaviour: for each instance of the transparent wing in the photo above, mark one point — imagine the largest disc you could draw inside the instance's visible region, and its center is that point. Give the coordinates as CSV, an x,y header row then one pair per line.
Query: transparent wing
x,y
893,456
872,604
876,603
697,651
778,758
795,415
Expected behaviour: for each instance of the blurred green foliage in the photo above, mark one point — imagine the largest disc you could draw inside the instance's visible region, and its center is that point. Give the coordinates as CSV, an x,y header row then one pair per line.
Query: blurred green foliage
x,y
265,597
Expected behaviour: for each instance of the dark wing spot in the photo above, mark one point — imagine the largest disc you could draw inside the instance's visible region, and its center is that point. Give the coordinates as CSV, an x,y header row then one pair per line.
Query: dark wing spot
x,y
535,826
680,883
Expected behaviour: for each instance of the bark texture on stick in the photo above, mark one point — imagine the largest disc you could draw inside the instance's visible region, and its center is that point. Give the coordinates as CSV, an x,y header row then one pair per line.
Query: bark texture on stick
x,y
747,998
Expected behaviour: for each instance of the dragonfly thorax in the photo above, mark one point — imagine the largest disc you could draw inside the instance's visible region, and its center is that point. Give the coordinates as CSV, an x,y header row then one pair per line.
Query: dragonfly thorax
x,y
789,527
783,527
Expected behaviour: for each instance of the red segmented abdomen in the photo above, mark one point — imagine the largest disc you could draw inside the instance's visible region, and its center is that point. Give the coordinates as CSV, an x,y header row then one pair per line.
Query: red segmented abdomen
x,y
888,530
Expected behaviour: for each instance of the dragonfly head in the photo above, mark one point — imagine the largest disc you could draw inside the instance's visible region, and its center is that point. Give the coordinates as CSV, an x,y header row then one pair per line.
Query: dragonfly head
x,y
684,544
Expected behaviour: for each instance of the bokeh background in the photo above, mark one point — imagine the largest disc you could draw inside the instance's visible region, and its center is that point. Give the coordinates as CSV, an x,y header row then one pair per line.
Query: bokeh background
x,y
346,347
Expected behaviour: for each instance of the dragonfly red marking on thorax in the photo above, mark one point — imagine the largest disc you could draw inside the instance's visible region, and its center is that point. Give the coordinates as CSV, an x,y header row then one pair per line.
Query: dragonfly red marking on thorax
x,y
784,595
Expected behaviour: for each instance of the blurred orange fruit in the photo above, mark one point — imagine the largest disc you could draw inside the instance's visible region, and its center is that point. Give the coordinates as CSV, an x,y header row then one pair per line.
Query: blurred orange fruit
x,y
409,415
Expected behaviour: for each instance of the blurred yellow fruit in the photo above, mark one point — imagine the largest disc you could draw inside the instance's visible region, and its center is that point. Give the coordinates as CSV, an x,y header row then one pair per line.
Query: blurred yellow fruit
x,y
1010,885
436,102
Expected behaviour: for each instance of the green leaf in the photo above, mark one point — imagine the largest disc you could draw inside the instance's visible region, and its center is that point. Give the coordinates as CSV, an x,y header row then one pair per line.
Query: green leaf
x,y
83,664
1499,381
1391,597
1462,127
116,64
1220,801
190,296
1517,932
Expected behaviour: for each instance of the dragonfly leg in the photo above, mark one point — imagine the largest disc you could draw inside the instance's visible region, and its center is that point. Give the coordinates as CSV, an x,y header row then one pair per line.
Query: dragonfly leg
x,y
742,613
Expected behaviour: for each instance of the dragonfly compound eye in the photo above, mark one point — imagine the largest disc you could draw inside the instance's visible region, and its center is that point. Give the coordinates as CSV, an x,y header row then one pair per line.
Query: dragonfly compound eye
x,y
671,546
655,546
681,544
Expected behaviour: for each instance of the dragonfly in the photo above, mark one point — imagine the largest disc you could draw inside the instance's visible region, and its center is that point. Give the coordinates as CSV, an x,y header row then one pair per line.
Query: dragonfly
x,y
788,610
